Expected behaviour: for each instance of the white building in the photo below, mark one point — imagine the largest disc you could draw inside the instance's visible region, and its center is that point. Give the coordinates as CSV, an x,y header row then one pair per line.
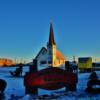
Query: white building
x,y
50,56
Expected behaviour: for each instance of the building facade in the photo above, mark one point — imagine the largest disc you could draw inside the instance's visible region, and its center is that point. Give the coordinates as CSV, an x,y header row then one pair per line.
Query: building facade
x,y
85,63
50,56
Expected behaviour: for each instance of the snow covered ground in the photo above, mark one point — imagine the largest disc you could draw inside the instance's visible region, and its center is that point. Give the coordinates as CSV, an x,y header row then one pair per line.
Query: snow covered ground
x,y
15,89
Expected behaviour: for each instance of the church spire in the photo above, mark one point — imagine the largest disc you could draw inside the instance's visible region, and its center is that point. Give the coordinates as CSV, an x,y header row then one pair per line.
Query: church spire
x,y
51,36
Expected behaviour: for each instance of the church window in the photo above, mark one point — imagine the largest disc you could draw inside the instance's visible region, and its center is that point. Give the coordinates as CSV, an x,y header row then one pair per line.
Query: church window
x,y
49,62
43,62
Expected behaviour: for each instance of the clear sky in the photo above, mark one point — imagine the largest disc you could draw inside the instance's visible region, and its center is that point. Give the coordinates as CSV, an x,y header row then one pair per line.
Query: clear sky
x,y
24,27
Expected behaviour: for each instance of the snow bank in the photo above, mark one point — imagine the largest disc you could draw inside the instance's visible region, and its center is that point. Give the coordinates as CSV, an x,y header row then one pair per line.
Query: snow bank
x,y
15,88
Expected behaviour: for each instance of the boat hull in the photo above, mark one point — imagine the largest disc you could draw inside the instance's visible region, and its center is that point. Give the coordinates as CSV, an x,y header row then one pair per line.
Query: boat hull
x,y
50,79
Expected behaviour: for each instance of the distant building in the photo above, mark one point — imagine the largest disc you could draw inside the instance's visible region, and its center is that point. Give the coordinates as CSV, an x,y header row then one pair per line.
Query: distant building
x,y
6,62
85,63
50,56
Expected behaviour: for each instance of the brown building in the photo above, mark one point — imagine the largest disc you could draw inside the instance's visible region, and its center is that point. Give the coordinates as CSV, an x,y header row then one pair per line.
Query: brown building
x,y
6,62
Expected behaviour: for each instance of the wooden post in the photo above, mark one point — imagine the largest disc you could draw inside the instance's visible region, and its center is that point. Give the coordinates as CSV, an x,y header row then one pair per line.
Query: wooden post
x,y
31,90
68,69
33,67
67,66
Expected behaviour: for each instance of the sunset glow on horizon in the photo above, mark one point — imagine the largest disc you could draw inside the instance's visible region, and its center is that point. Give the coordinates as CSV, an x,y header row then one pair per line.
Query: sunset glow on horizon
x,y
25,26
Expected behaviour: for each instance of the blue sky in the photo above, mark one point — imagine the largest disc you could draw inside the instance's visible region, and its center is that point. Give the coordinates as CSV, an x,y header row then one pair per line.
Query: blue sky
x,y
24,27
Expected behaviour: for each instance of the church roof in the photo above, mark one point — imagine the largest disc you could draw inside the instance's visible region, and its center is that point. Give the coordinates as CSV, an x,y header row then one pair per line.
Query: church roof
x,y
59,55
51,36
43,49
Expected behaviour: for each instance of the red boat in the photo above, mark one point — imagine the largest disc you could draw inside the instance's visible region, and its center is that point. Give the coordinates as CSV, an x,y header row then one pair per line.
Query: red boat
x,y
50,79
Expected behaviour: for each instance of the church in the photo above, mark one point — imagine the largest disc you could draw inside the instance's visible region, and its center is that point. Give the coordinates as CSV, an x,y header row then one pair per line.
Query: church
x,y
50,56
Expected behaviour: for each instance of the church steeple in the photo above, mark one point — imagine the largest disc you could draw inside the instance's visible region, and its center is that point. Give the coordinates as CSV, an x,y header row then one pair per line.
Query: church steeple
x,y
51,36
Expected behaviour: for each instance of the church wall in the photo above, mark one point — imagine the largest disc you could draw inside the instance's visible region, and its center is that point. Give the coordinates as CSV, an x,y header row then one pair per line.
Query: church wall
x,y
41,59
